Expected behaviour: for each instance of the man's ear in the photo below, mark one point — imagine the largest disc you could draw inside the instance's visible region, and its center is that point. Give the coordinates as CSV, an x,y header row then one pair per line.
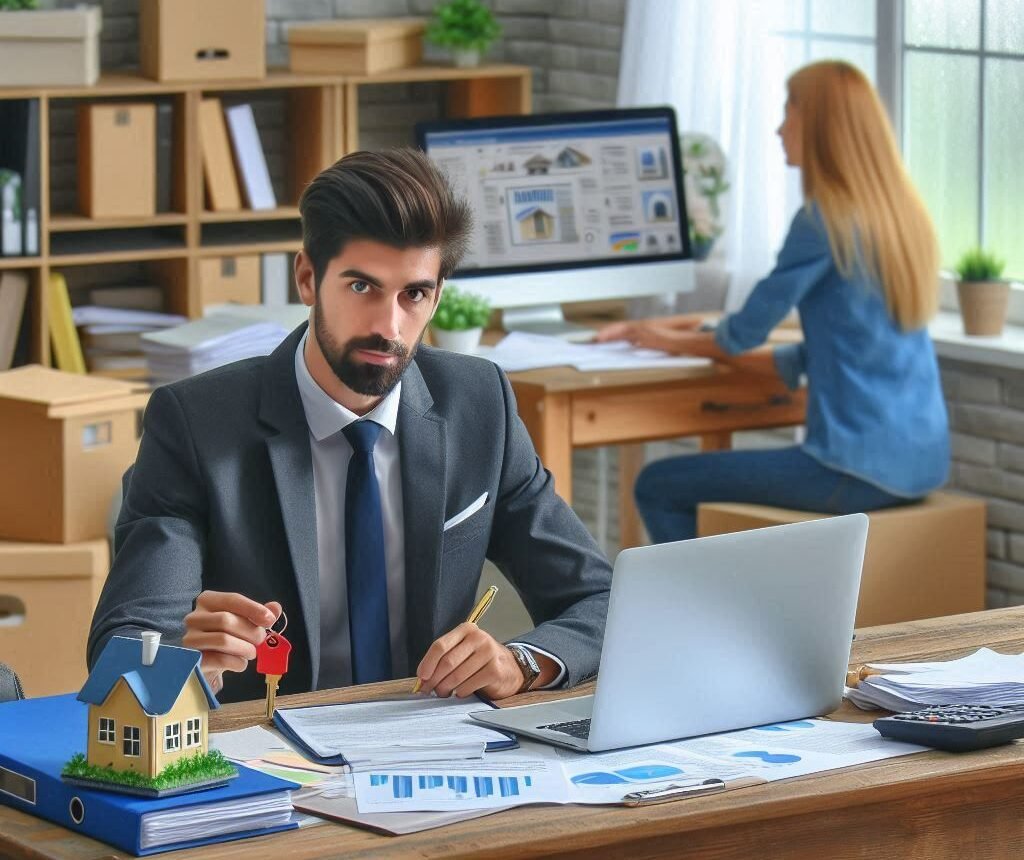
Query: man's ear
x,y
305,278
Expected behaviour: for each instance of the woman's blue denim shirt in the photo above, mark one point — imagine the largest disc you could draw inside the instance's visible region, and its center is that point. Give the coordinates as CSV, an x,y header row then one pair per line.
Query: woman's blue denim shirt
x,y
874,399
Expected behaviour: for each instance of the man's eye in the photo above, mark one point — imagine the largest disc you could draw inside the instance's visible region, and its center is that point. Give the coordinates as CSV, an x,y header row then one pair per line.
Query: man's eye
x,y
359,287
416,296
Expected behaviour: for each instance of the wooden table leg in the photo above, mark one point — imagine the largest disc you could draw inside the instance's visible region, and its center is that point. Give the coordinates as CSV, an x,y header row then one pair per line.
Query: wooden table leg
x,y
548,420
716,441
631,529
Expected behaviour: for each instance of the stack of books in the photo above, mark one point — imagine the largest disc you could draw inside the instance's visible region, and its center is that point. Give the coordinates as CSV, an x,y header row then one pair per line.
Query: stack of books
x,y
111,338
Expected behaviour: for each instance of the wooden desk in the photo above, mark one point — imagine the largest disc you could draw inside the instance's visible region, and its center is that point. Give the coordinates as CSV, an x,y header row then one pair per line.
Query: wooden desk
x,y
932,805
565,409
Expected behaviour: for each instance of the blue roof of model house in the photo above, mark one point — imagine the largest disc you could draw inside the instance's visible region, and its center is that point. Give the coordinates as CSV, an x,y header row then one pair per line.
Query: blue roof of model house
x,y
157,687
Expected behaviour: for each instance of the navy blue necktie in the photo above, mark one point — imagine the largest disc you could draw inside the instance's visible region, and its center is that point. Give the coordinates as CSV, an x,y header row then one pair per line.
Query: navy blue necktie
x,y
364,560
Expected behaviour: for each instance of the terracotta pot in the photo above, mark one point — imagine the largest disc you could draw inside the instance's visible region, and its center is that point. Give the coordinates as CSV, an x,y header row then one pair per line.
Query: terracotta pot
x,y
983,306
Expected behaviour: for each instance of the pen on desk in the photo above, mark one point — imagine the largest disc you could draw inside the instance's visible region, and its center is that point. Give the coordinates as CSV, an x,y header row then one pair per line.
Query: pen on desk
x,y
482,605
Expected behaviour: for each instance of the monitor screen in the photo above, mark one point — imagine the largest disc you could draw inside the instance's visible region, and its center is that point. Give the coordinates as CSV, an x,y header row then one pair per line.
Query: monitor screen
x,y
561,191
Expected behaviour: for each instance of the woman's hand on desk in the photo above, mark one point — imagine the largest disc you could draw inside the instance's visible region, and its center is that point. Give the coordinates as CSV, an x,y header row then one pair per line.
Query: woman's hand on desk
x,y
226,627
678,337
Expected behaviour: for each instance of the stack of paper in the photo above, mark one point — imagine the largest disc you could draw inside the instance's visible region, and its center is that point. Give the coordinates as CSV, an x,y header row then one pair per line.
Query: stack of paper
x,y
112,337
984,677
207,343
523,351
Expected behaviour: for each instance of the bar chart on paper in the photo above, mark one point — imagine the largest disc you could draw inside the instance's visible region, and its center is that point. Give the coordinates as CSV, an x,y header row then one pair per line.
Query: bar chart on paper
x,y
486,786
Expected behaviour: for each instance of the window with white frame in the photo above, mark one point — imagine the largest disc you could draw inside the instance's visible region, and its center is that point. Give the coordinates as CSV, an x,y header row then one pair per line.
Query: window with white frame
x,y
107,733
132,745
172,737
193,732
963,85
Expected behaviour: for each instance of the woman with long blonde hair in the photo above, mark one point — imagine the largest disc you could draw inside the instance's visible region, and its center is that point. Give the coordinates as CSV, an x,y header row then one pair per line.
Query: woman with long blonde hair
x,y
860,263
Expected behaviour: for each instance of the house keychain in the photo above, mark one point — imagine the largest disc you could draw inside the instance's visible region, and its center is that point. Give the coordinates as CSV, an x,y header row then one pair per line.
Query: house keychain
x,y
272,661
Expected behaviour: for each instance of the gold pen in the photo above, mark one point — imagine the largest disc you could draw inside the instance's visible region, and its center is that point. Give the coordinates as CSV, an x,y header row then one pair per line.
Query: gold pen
x,y
482,605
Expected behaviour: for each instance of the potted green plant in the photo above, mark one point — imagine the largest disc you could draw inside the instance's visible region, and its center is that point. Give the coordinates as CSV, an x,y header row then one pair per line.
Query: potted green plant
x,y
459,320
982,293
467,27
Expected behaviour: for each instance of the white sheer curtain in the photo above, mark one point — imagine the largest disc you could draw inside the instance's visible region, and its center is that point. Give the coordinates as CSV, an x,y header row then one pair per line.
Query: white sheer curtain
x,y
716,63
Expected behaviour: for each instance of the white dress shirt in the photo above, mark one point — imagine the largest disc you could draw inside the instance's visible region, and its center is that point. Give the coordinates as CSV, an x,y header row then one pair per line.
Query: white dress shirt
x,y
331,452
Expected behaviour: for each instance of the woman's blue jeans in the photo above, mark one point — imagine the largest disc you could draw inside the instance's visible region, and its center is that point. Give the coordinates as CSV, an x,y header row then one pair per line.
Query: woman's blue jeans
x,y
668,491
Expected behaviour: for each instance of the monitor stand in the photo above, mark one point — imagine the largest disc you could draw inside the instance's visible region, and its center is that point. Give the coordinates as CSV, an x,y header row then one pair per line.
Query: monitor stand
x,y
546,320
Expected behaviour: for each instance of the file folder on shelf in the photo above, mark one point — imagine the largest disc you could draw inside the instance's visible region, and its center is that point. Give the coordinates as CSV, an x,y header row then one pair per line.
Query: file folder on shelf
x,y
38,736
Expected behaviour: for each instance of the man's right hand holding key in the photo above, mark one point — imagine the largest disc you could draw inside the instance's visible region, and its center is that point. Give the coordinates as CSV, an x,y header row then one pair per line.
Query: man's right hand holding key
x,y
226,627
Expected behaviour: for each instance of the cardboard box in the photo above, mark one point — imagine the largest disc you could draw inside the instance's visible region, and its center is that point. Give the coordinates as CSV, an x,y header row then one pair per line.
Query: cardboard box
x,y
50,47
68,440
117,159
47,596
229,279
198,40
356,47
922,561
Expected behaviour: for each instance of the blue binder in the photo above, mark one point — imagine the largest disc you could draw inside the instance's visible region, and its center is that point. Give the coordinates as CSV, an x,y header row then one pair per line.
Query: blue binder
x,y
38,736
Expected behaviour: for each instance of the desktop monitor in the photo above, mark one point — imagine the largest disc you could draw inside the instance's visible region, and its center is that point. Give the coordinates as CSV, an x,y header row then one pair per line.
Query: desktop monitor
x,y
567,207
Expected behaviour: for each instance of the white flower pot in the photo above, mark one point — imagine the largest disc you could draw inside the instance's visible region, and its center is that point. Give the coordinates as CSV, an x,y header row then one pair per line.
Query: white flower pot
x,y
465,341
465,58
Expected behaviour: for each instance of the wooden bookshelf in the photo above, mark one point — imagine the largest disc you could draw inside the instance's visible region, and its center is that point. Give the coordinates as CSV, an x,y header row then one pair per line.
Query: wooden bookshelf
x,y
322,113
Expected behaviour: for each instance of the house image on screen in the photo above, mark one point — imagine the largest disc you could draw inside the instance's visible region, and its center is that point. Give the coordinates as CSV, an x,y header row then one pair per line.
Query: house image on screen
x,y
572,157
148,705
538,164
536,224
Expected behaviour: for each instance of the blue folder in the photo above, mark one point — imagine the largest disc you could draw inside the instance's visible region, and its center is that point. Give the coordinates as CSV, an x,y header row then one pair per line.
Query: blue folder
x,y
282,725
38,736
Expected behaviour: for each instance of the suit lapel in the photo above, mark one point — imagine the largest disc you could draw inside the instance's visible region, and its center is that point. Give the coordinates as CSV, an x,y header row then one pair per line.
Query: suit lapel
x,y
290,458
421,441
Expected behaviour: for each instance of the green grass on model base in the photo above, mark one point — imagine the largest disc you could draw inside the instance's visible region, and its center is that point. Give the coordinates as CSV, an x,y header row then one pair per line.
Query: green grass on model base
x,y
189,769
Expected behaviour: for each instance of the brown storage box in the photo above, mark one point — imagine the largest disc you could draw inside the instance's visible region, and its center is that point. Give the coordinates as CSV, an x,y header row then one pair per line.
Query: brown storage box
x,y
922,561
67,442
356,47
194,40
47,596
117,160
229,279
50,47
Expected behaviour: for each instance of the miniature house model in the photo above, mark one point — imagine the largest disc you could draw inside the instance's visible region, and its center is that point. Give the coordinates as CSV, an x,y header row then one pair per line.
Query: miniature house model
x,y
148,705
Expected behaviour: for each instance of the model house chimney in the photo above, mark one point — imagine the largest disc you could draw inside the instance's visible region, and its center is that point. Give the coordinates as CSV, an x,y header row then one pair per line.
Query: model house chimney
x,y
150,645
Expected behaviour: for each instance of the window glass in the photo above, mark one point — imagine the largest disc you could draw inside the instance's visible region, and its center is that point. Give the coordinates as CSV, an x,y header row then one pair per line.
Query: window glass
x,y
1004,178
856,53
943,23
843,18
1004,26
940,143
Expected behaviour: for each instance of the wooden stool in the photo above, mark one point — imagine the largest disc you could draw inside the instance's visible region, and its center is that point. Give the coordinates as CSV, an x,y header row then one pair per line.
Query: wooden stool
x,y
922,561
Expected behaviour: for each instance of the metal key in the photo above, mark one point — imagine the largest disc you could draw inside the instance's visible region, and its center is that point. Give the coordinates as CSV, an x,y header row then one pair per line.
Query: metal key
x,y
272,661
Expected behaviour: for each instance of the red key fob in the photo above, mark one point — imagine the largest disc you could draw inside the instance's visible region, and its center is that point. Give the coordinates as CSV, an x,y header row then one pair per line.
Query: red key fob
x,y
272,655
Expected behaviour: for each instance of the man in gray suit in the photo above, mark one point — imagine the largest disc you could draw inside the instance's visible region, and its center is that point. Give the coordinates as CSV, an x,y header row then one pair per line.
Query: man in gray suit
x,y
355,479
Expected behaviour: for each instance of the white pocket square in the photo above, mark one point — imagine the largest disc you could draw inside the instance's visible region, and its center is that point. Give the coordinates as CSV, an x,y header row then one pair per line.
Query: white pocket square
x,y
466,514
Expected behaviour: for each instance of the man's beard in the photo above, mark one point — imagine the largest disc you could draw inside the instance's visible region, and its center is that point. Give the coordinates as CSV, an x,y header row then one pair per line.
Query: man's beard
x,y
374,380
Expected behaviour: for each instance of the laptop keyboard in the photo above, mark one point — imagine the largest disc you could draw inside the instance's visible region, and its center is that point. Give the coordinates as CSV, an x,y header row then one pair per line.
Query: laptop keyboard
x,y
576,728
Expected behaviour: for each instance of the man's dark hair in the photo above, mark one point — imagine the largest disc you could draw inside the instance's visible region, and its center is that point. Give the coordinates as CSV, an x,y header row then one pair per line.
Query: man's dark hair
x,y
395,196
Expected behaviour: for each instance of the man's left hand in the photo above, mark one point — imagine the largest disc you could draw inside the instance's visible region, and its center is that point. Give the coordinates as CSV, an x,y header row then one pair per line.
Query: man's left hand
x,y
467,660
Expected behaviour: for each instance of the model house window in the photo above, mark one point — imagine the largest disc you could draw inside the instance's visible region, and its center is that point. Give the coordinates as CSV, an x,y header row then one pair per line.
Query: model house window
x,y
172,737
107,735
193,730
132,741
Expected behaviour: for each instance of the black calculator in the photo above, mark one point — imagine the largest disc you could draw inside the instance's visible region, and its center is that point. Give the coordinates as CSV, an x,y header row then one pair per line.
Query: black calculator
x,y
956,728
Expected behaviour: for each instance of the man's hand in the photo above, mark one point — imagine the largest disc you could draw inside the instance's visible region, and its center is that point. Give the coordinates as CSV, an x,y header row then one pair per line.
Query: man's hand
x,y
227,627
467,660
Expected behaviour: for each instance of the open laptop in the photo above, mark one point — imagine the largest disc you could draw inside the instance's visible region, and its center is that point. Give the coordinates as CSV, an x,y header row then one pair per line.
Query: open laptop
x,y
715,634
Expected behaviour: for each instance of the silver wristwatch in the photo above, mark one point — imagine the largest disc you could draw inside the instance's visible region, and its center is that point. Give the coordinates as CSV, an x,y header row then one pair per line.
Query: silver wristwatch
x,y
527,665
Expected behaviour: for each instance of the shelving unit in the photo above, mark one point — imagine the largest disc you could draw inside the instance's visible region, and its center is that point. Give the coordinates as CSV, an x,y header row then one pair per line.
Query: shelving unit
x,y
322,123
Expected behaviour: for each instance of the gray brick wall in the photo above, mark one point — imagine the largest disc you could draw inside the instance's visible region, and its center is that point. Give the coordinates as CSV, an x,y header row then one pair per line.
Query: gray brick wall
x,y
986,417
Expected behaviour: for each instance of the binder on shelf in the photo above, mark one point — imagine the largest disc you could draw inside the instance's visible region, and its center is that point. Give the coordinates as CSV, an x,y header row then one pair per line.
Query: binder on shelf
x,y
67,349
164,154
37,738
13,290
249,157
218,169
19,153
276,279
